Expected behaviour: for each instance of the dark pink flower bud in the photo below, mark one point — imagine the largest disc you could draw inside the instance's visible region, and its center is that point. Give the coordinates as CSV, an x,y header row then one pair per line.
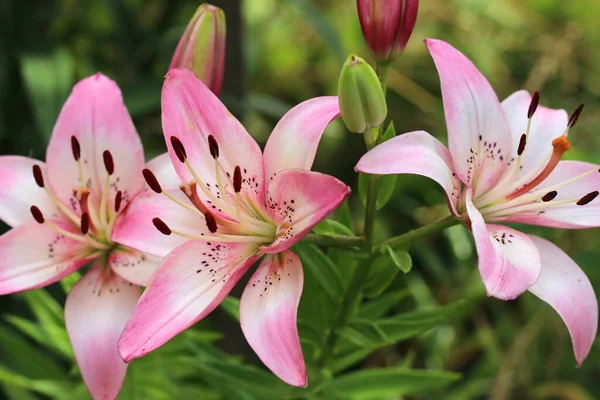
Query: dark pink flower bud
x,y
202,47
387,25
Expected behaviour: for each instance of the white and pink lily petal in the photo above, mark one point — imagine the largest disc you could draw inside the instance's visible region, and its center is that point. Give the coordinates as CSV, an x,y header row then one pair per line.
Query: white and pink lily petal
x,y
508,157
63,213
189,284
268,315
96,311
516,175
222,195
566,288
224,216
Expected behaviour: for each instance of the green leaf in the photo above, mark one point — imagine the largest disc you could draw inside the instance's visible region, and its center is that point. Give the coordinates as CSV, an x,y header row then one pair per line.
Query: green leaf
x,y
17,393
54,389
34,331
386,185
315,262
381,305
24,358
382,273
396,328
49,314
401,259
68,282
389,133
364,333
232,306
344,215
323,228
48,79
246,378
332,227
339,228
382,383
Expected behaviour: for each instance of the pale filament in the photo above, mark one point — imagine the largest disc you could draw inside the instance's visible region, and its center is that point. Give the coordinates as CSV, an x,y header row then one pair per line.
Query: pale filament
x,y
536,194
247,226
244,226
542,206
103,202
223,237
203,187
86,239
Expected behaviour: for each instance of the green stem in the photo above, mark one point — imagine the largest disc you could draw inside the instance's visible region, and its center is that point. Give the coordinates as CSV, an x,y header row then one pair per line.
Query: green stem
x,y
334,240
382,73
359,277
419,233
371,209
372,187
370,138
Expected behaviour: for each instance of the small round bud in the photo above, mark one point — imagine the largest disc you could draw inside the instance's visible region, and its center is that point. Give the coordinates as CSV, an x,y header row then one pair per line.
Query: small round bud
x,y
361,98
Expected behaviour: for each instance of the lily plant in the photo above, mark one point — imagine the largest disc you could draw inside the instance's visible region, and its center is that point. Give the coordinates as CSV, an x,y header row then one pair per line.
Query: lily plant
x,y
504,165
62,215
233,206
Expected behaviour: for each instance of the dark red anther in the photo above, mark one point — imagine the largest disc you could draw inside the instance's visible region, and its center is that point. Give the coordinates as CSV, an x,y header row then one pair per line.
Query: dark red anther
x,y
550,196
213,146
588,198
575,116
237,179
161,226
37,175
75,148
85,223
109,163
535,100
118,200
211,223
37,214
151,180
178,148
522,143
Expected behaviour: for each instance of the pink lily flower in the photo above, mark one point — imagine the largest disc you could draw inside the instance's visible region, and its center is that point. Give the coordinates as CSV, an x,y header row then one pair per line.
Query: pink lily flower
x,y
507,155
94,160
234,205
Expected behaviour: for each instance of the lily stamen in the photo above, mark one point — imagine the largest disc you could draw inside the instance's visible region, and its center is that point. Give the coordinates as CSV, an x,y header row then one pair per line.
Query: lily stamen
x,y
39,180
113,218
588,198
76,150
109,165
540,206
213,148
181,154
163,228
560,145
157,188
39,218
82,195
237,187
211,223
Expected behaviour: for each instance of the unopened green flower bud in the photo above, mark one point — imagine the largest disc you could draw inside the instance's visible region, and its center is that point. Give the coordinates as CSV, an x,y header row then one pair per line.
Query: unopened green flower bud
x,y
362,102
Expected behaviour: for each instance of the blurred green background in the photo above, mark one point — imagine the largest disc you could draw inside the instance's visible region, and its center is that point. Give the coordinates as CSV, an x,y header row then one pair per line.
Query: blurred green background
x,y
279,54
